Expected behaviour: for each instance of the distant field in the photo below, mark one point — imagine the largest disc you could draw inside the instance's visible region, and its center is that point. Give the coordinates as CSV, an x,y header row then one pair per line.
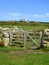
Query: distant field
x,y
32,27
26,27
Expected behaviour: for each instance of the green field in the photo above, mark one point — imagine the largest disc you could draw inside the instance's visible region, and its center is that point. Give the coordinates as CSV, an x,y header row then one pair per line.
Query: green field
x,y
15,58
27,27
32,27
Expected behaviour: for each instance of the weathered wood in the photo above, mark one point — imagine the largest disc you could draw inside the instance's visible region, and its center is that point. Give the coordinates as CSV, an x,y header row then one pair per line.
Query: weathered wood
x,y
24,39
32,40
19,37
32,32
41,44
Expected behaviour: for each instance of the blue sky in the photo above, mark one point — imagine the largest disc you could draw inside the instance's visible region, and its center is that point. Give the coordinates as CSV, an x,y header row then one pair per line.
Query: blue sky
x,y
36,10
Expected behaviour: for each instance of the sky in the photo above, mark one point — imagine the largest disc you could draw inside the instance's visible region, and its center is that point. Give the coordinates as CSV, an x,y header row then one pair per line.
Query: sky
x,y
32,10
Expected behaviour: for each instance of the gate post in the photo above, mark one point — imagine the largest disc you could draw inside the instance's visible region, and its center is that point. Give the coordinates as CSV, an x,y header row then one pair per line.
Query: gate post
x,y
41,44
24,40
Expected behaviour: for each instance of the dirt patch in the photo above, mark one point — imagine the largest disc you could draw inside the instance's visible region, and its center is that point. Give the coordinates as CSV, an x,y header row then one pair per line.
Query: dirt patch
x,y
22,52
9,57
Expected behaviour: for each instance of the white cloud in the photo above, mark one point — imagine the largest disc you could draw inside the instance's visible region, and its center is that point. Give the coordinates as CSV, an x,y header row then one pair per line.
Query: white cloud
x,y
42,16
47,14
36,15
29,15
14,14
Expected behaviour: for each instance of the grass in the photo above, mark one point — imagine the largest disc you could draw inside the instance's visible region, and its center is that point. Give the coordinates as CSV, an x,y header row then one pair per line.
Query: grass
x,y
32,27
11,48
24,59
46,49
6,26
26,27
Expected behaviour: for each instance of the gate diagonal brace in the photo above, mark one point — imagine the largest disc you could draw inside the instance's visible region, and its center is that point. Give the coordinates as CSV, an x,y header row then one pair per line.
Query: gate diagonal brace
x,y
32,40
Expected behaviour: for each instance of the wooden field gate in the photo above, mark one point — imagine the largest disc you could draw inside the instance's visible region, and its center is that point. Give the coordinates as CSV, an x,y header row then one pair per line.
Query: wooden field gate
x,y
24,38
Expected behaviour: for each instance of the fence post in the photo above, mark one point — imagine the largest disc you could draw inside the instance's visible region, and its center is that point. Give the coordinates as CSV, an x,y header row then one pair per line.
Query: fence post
x,y
24,40
41,44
